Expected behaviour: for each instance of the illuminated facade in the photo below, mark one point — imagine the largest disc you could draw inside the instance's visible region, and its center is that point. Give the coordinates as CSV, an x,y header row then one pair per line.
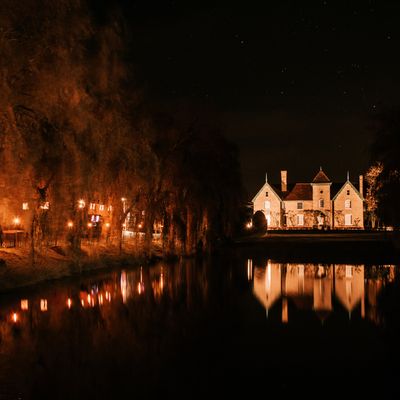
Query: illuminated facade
x,y
318,204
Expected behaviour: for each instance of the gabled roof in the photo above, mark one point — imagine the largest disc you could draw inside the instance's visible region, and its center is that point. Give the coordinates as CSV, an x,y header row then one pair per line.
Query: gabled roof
x,y
266,184
321,177
342,187
300,191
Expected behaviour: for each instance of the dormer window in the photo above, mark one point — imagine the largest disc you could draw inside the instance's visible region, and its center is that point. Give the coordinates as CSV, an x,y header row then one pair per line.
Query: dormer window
x,y
300,205
321,203
348,192
266,194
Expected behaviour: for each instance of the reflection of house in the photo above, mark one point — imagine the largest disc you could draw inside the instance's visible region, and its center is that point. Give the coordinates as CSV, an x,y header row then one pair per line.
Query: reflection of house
x,y
314,287
320,203
349,286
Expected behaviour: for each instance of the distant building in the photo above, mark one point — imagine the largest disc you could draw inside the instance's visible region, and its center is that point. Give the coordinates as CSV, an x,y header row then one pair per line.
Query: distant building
x,y
318,204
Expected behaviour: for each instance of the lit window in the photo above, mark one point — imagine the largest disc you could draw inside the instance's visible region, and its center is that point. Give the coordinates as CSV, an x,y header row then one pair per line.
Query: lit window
x,y
109,208
299,205
267,205
101,207
347,204
24,304
25,206
321,203
45,206
92,206
43,305
349,271
300,219
348,219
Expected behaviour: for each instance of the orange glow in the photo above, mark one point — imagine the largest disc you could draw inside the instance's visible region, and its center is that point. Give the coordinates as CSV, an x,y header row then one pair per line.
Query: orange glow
x,y
24,304
249,225
81,203
100,299
89,225
107,224
16,221
14,317
70,224
83,303
43,305
88,298
69,303
140,225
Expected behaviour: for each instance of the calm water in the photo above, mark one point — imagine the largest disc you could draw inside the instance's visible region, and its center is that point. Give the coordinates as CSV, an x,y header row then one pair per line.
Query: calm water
x,y
200,329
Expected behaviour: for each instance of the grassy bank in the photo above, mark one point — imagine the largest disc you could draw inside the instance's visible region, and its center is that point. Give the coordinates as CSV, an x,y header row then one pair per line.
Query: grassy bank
x,y
17,269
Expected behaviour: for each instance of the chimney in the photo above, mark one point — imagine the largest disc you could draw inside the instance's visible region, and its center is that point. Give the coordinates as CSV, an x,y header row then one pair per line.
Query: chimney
x,y
284,181
361,185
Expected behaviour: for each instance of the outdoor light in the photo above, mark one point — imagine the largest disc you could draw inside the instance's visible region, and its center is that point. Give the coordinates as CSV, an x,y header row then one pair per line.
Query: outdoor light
x,y
16,221
14,317
81,203
123,199
69,302
89,225
140,225
70,224
249,225
107,224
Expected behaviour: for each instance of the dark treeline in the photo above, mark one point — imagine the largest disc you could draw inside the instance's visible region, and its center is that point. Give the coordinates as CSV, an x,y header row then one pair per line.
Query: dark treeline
x,y
383,177
73,126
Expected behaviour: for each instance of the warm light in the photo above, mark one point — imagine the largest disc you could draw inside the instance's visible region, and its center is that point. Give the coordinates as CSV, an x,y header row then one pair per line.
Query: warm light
x,y
249,225
88,298
16,221
107,224
24,304
14,317
140,225
83,303
70,224
100,299
89,225
249,269
81,203
123,199
69,303
43,305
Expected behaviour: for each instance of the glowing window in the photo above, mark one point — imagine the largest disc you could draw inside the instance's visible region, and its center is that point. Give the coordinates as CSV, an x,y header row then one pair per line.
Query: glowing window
x,y
321,203
43,305
300,219
347,204
101,207
45,206
25,206
92,206
267,205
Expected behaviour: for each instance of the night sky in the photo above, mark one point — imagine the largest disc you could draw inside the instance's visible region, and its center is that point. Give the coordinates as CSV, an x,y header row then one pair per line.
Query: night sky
x,y
295,84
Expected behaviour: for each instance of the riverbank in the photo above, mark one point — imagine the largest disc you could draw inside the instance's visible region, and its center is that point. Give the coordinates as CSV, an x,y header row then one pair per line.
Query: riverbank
x,y
17,269
342,247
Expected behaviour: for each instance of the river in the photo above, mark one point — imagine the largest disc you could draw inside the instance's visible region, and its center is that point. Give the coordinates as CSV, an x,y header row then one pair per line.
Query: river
x,y
198,329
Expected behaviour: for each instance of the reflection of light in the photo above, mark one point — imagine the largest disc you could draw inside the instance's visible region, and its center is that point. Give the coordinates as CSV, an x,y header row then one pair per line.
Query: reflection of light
x,y
83,303
162,281
88,298
249,225
69,302
249,269
100,299
16,220
14,317
43,305
70,224
24,304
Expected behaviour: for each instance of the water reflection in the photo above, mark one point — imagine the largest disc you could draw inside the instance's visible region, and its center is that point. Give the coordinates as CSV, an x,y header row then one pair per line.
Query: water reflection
x,y
137,330
321,288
